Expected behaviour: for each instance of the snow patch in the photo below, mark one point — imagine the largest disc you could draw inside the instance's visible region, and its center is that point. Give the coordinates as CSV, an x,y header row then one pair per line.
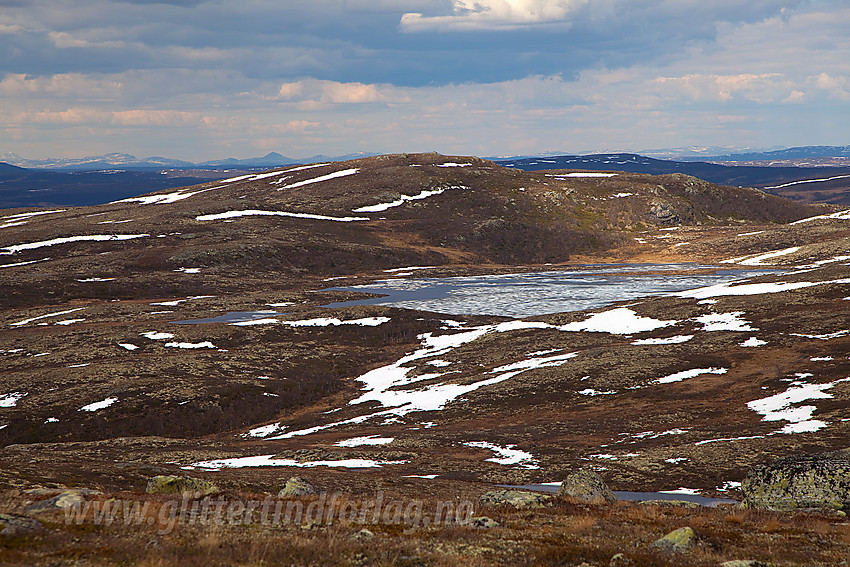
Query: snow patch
x,y
30,320
334,175
205,344
509,455
69,321
724,322
825,336
360,441
592,392
334,322
620,321
11,400
270,461
155,336
675,340
23,263
99,405
162,198
758,260
424,194
779,407
586,174
253,212
685,374
68,239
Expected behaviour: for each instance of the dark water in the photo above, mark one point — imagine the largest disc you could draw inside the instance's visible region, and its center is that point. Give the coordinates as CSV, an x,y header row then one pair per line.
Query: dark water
x,y
638,496
540,293
232,317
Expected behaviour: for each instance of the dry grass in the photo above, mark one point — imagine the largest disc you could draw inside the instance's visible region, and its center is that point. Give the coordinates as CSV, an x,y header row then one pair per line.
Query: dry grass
x,y
563,534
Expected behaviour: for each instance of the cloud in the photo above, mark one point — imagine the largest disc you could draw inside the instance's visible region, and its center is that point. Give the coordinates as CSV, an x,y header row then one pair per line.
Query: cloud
x,y
838,87
723,88
493,15
170,118
201,79
73,85
318,92
64,40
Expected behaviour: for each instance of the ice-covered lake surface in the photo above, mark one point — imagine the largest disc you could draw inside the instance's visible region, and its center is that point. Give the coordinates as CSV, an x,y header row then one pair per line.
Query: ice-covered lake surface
x,y
540,293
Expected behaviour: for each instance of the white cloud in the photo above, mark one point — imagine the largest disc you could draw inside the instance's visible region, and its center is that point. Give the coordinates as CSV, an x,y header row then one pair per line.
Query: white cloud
x,y
314,93
143,117
494,15
764,87
838,87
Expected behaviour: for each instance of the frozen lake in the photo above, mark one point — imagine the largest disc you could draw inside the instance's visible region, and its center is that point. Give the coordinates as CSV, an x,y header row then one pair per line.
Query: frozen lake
x,y
539,293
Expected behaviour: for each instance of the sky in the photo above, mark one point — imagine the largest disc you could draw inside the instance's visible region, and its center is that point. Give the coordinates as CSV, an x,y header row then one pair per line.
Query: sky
x,y
208,79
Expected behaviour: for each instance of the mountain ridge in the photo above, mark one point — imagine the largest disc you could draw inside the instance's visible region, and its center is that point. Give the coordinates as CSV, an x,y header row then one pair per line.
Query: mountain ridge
x,y
130,162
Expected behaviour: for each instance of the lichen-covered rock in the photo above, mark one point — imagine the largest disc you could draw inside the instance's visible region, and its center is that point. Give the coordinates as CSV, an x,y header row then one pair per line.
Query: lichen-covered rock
x,y
677,541
65,499
587,486
168,484
18,525
484,522
518,498
809,481
296,486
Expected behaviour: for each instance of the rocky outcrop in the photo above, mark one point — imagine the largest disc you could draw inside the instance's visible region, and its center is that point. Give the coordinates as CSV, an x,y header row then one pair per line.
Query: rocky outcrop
x,y
587,486
663,213
18,525
168,484
808,481
677,541
296,486
66,499
517,498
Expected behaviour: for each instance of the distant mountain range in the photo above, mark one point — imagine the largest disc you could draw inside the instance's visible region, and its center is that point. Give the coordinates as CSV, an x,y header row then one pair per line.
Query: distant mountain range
x,y
127,162
802,152
822,184
738,176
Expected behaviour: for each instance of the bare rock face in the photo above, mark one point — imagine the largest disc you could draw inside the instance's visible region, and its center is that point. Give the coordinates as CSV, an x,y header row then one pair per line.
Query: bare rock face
x,y
586,485
808,481
296,486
